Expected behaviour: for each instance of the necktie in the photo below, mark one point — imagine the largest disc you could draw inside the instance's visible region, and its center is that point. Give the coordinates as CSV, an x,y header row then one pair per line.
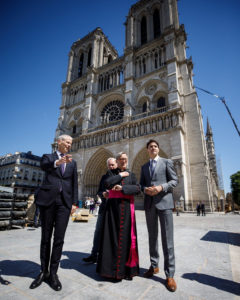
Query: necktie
x,y
152,167
62,167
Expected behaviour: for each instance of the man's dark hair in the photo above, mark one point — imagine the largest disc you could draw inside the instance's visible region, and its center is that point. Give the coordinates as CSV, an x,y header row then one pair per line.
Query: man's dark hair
x,y
152,141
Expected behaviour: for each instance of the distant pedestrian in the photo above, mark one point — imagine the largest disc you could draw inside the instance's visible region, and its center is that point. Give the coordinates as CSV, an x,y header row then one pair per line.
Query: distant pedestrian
x,y
203,209
92,206
198,208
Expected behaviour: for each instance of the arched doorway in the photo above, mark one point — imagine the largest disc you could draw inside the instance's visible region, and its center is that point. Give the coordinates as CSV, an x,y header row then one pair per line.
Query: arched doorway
x,y
95,168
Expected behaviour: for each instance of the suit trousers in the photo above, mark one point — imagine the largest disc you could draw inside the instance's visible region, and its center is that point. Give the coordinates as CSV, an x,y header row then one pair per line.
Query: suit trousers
x,y
166,222
54,217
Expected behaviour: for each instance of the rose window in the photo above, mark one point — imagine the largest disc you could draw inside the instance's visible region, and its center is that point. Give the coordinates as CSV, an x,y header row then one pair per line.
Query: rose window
x,y
113,111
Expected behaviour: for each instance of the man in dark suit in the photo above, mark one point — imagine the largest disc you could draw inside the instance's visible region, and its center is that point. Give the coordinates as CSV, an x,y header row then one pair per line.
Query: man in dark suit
x,y
158,178
57,198
92,258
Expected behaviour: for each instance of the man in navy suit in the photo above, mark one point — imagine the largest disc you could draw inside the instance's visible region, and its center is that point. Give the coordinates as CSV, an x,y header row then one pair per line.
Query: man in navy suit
x,y
158,178
57,199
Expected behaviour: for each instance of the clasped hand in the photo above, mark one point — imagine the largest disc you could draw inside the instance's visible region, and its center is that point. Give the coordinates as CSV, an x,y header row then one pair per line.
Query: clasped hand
x,y
153,190
117,187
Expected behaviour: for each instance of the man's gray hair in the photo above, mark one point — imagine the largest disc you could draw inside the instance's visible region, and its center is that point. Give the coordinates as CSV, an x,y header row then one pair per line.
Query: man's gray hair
x,y
120,154
111,158
64,137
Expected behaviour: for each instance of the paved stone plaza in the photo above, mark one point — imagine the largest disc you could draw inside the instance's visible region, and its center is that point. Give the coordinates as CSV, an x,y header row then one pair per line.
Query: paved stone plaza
x,y
207,263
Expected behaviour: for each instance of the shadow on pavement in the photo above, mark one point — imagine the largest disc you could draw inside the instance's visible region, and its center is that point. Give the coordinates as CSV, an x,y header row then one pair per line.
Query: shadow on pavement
x,y
21,268
219,283
222,237
75,262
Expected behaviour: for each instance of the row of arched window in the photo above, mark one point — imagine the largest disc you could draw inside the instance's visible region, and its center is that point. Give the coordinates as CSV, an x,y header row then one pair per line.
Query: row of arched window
x,y
110,80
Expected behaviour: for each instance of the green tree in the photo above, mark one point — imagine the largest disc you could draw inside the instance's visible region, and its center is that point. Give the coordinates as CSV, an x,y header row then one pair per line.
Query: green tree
x,y
235,186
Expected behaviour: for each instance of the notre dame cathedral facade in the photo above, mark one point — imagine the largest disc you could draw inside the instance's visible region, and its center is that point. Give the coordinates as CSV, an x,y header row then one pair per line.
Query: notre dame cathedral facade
x,y
112,104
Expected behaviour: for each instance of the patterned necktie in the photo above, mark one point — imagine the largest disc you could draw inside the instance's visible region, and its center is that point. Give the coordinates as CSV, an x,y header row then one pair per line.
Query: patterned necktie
x,y
152,166
62,167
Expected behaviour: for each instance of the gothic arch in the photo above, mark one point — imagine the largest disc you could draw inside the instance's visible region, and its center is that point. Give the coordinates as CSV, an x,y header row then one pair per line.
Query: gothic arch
x,y
140,159
94,170
72,127
155,5
158,96
143,100
73,119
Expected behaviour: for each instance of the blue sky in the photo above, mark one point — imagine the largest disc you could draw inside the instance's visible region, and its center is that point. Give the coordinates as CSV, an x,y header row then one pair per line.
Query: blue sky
x,y
36,36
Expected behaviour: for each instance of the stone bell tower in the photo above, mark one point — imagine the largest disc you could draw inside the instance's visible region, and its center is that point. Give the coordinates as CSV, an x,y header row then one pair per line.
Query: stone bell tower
x,y
112,103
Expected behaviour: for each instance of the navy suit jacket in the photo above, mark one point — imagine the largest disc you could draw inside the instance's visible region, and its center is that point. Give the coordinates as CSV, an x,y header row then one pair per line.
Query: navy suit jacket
x,y
56,183
164,175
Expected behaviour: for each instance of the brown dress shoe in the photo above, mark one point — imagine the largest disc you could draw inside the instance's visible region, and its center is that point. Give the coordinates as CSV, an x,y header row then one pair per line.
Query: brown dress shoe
x,y
171,284
150,272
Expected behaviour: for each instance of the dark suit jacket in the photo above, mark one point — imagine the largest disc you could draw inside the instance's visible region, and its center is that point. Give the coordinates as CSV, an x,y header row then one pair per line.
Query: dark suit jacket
x,y
164,175
55,183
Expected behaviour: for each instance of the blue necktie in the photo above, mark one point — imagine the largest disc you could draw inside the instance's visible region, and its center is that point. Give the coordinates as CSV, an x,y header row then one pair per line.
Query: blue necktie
x,y
152,167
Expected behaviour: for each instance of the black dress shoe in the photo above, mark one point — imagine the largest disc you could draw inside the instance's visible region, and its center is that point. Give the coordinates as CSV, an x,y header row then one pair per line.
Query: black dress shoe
x,y
128,278
38,281
90,259
55,283
115,280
